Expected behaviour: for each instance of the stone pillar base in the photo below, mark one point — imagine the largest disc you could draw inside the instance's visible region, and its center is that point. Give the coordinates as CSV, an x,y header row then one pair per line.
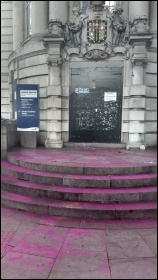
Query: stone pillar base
x,y
135,145
49,143
28,139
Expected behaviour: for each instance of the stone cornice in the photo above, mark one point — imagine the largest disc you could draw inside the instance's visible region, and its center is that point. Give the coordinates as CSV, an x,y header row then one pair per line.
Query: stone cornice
x,y
26,55
141,37
28,50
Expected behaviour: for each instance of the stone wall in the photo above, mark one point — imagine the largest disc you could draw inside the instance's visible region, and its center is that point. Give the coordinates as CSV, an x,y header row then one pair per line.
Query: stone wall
x,y
9,136
151,100
151,81
32,69
6,49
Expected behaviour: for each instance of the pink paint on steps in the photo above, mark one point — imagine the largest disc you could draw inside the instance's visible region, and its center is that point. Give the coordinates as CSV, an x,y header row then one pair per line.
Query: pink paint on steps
x,y
129,177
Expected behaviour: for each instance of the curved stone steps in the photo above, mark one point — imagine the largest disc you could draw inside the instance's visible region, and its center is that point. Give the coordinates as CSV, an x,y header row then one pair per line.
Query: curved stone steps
x,y
99,183
94,168
79,209
78,180
15,185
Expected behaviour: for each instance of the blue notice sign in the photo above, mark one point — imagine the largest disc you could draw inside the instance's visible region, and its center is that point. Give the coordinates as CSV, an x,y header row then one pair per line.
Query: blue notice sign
x,y
27,107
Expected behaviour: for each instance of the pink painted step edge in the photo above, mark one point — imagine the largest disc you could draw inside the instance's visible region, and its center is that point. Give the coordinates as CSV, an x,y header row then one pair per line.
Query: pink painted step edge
x,y
78,205
10,166
65,189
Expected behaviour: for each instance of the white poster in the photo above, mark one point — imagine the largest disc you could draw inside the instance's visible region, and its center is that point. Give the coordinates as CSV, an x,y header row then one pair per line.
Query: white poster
x,y
110,96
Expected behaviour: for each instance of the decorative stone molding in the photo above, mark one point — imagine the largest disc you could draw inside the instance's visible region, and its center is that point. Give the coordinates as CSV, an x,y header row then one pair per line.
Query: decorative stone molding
x,y
145,38
118,35
53,62
96,55
139,43
97,5
140,25
52,42
138,60
95,52
55,27
50,143
110,32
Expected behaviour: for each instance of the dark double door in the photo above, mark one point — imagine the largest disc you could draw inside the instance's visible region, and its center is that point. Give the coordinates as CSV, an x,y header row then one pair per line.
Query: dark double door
x,y
96,102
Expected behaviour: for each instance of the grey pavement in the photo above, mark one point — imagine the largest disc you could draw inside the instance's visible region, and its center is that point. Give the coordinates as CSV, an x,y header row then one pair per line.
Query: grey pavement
x,y
35,246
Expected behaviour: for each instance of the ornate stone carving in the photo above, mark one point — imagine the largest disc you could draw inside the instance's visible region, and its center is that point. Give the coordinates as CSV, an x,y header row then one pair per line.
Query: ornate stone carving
x,y
73,29
140,25
139,61
96,55
97,5
106,33
53,62
117,24
55,27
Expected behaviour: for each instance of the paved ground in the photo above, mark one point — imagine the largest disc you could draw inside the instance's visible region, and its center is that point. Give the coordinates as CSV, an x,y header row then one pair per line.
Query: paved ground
x,y
42,247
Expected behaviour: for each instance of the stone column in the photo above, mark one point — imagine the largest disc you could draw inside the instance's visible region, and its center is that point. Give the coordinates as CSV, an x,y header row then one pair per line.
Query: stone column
x,y
137,104
153,22
153,16
139,37
39,16
58,10
138,8
71,5
18,23
53,41
125,6
54,95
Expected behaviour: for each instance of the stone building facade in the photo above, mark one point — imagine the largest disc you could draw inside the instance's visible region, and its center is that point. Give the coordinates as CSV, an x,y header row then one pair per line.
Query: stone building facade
x,y
96,69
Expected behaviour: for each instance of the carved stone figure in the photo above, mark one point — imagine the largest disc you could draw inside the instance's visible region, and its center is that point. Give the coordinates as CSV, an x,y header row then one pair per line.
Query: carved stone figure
x,y
73,29
118,25
97,5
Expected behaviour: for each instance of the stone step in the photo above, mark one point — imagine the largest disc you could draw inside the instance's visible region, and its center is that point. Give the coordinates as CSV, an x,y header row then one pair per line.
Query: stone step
x,y
78,194
79,209
85,183
95,168
78,180
94,145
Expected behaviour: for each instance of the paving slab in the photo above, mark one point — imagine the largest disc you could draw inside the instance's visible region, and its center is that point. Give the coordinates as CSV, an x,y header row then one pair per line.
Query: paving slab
x,y
60,248
27,216
9,224
137,268
16,265
150,237
23,230
80,264
85,239
43,241
6,236
126,244
7,212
